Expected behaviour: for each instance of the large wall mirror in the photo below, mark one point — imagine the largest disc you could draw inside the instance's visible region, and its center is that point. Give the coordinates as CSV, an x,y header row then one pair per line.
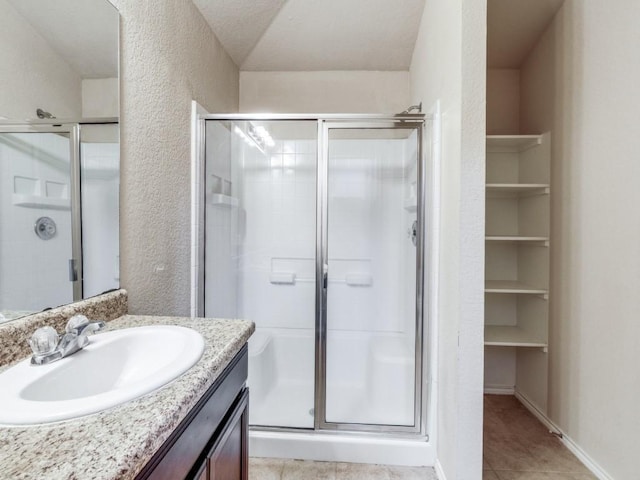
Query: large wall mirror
x,y
59,153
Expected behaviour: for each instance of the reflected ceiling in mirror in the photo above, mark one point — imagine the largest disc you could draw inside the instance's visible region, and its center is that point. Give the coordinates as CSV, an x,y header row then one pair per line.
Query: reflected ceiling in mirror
x,y
59,56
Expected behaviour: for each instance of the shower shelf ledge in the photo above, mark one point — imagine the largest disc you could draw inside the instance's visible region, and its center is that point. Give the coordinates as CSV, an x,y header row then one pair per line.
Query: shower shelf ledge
x,y
224,200
38,201
410,204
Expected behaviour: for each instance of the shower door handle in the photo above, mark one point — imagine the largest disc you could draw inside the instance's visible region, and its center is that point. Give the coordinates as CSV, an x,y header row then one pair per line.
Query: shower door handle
x,y
73,271
325,275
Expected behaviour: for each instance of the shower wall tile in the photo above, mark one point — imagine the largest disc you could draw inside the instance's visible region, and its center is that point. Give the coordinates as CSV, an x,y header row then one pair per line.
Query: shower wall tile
x,y
279,207
276,220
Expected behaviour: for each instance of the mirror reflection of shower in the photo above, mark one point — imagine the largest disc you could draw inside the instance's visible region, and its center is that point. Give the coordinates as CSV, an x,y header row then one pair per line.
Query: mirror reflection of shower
x,y
44,263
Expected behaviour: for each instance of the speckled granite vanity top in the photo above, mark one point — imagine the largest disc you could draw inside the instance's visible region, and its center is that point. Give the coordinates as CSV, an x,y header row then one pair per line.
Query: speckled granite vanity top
x,y
117,443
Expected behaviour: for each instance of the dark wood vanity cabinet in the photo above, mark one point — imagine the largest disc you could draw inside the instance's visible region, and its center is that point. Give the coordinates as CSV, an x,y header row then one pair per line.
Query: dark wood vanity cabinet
x,y
211,443
228,456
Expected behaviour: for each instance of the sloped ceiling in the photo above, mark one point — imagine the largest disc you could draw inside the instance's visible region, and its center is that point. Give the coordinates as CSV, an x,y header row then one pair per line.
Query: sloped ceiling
x,y
514,27
308,35
83,32
239,24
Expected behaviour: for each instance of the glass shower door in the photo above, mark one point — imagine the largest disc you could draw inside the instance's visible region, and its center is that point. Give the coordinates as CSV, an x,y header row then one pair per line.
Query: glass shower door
x,y
36,217
260,230
372,289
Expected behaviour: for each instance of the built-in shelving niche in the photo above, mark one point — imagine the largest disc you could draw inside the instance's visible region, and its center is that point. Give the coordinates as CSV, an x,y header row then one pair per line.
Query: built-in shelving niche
x,y
517,241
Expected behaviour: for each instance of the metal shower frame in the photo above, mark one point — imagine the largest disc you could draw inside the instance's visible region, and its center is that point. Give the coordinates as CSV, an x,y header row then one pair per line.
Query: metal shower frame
x,y
325,123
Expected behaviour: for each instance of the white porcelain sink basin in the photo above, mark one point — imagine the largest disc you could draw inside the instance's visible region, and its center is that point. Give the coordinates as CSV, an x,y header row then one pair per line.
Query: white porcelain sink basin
x,y
114,368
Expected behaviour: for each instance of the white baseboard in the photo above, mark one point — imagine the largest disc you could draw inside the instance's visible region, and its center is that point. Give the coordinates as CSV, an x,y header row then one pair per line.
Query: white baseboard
x,y
499,390
439,471
568,442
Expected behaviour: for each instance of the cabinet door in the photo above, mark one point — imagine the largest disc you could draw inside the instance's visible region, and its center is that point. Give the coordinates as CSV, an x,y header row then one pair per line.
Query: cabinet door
x,y
202,475
229,458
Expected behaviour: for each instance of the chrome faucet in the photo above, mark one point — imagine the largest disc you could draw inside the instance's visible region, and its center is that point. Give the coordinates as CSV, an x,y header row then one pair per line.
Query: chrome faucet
x,y
48,346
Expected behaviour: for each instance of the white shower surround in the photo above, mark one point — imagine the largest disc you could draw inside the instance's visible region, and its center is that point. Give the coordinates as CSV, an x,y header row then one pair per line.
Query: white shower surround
x,y
374,389
275,375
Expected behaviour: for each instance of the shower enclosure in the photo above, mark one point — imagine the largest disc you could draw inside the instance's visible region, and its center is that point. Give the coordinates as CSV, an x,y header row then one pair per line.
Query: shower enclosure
x,y
313,228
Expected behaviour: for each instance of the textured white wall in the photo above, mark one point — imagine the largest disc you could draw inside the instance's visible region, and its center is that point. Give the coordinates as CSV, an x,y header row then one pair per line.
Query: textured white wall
x,y
100,97
581,84
503,101
324,92
32,74
168,56
449,64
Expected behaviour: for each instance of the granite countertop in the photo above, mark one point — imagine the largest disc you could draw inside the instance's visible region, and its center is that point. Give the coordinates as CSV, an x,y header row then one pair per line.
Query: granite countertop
x,y
117,443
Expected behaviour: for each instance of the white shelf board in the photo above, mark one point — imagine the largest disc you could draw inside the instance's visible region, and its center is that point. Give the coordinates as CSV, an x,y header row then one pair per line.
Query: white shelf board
x,y
507,336
518,188
511,286
512,143
514,238
38,201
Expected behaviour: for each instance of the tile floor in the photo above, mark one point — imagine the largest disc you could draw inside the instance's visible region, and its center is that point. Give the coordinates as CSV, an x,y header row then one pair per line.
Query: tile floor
x,y
518,447
275,469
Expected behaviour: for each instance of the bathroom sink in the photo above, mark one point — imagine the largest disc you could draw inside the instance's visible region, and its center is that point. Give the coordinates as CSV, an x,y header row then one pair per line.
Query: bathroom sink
x,y
114,368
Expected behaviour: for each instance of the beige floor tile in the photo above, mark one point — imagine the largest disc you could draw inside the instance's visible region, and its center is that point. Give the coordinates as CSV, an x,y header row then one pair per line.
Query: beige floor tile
x,y
276,469
306,470
411,473
509,454
265,468
511,475
507,475
489,475
361,471
555,457
517,445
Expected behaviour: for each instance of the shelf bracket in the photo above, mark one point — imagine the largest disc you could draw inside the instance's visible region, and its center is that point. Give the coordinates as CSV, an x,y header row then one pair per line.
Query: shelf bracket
x,y
545,349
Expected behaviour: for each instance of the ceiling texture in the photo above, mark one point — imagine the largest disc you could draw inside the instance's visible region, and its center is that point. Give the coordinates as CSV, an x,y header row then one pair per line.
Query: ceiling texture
x,y
83,32
311,35
292,35
514,27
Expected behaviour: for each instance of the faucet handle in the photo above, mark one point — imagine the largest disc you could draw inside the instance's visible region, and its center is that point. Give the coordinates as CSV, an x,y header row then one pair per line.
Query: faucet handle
x,y
81,325
44,340
75,324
